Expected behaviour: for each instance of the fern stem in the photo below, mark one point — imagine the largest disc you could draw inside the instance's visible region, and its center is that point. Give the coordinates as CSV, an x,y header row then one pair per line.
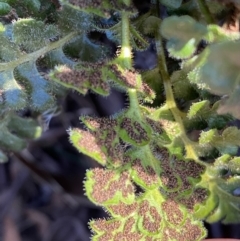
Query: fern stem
x,y
37,54
170,100
126,51
205,11
132,93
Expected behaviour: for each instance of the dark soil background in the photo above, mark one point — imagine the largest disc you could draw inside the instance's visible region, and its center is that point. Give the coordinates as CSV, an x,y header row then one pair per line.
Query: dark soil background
x,y
41,188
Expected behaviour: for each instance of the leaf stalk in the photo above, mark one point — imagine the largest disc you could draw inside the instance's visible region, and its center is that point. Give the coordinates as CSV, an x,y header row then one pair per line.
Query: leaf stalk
x,y
170,100
126,50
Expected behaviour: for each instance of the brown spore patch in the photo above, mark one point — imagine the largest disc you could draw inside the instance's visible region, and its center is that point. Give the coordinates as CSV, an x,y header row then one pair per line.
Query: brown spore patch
x,y
83,78
89,143
128,77
107,137
186,185
124,209
171,234
173,213
96,81
93,122
156,126
152,224
150,239
107,140
147,90
102,178
144,207
186,169
199,195
71,76
149,176
182,169
128,188
104,225
106,237
134,236
189,168
105,186
128,232
142,133
126,159
134,130
169,180
191,232
107,123
167,176
163,156
129,225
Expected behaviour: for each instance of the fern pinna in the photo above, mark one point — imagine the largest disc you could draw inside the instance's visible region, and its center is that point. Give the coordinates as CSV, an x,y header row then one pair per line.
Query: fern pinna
x,y
158,181
34,37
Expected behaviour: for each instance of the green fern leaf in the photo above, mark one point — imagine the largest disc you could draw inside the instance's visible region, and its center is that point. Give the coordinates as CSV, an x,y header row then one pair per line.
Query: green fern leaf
x,y
81,78
199,109
109,188
223,202
226,143
146,216
4,8
151,25
202,113
72,20
114,33
183,35
30,6
33,35
231,104
15,131
182,87
83,48
87,143
171,3
220,70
